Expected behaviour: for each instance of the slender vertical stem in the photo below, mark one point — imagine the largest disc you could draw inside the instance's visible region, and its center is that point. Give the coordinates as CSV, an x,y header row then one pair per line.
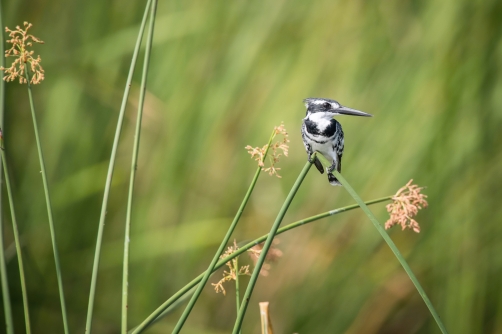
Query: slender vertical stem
x,y
9,326
17,242
48,203
134,162
266,247
224,242
237,288
104,205
189,286
394,249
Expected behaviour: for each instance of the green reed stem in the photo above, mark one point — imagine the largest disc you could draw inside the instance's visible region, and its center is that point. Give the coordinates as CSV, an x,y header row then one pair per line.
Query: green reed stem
x,y
188,287
17,242
109,176
224,242
9,324
134,162
393,247
237,288
48,203
172,307
266,247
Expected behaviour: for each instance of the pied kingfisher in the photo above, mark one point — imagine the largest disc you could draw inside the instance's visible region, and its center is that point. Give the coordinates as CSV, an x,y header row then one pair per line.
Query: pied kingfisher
x,y
322,133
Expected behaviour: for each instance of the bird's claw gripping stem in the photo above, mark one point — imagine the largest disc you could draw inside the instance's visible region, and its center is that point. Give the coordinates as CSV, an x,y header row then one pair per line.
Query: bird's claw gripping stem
x,y
309,158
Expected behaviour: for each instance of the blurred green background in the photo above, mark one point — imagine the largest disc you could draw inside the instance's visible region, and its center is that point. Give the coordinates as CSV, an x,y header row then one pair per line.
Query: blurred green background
x,y
223,74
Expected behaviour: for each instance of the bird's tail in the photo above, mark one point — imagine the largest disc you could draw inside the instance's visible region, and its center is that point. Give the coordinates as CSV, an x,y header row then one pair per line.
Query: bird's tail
x,y
333,180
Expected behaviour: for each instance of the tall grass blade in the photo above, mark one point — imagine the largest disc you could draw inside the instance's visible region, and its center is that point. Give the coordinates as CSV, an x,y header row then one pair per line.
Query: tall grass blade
x,y
189,286
125,272
9,326
266,247
48,203
224,242
109,176
394,249
17,242
237,286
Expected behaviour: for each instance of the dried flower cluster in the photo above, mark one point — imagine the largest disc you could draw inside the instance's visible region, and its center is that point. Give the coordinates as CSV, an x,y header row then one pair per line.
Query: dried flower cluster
x,y
272,256
232,273
258,153
406,203
21,41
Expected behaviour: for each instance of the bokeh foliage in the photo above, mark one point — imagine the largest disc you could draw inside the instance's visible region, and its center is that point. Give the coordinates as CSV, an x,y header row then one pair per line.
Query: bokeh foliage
x,y
222,75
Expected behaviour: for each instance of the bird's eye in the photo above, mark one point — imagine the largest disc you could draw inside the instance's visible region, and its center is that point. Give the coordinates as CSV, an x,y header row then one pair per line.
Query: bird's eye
x,y
327,106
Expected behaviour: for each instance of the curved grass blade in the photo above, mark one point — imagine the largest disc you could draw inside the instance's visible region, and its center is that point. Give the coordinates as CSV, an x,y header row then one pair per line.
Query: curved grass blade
x,y
9,325
168,304
109,176
393,247
17,242
266,247
48,204
125,271
224,242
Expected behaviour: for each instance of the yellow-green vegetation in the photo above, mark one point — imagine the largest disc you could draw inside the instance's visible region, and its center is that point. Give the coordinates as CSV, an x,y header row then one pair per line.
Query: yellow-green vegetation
x,y
222,75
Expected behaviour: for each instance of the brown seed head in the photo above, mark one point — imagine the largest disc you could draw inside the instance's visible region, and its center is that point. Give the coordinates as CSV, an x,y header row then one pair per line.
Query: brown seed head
x,y
272,256
21,40
258,153
231,274
406,203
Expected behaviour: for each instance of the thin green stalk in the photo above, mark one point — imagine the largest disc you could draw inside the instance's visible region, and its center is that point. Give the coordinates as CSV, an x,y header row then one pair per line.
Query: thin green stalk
x,y
17,243
104,205
48,203
266,247
171,307
159,312
237,289
393,247
224,242
134,161
9,326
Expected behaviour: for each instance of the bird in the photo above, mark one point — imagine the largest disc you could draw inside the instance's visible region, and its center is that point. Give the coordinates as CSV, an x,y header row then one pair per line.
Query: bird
x,y
324,134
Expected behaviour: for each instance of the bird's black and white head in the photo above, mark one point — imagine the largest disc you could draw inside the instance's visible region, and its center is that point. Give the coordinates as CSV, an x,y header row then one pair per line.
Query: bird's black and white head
x,y
326,109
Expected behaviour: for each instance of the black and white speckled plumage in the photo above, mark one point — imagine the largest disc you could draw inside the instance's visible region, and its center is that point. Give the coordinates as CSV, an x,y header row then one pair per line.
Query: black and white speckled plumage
x,y
322,133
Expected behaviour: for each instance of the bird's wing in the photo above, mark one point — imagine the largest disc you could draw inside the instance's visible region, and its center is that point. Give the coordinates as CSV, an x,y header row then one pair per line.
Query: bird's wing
x,y
319,165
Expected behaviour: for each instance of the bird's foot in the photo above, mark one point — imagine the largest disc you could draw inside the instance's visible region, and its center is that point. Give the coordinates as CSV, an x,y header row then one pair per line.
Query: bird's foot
x,y
331,169
310,159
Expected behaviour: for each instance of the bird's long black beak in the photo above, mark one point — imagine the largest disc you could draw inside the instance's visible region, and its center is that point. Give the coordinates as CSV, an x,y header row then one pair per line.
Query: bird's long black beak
x,y
351,112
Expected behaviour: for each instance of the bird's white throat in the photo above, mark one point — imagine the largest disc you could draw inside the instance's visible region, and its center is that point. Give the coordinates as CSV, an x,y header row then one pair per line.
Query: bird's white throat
x,y
322,119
